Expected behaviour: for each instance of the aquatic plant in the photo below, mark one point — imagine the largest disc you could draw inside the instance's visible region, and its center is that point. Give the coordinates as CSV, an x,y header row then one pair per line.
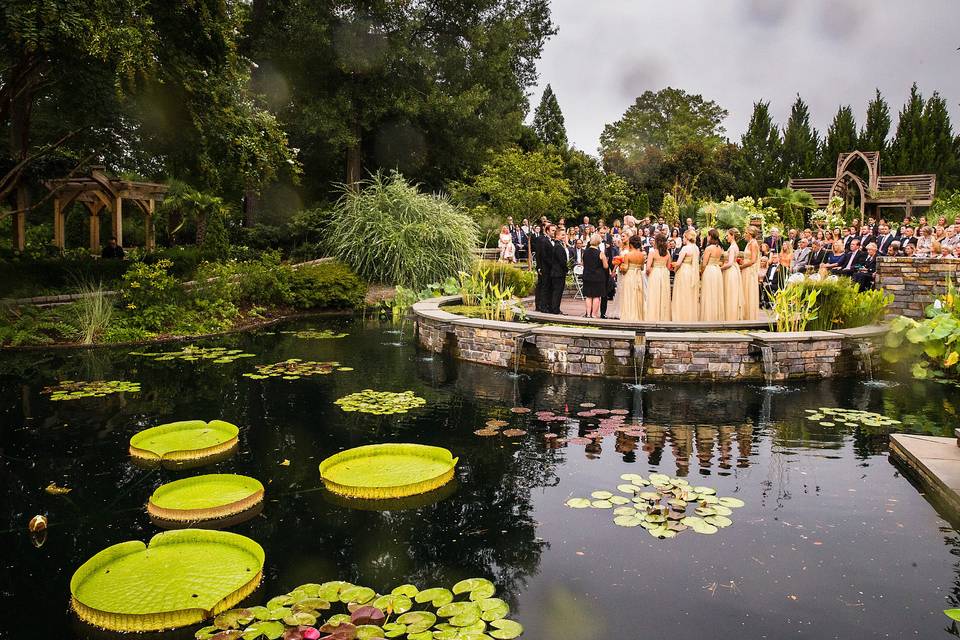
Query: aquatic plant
x,y
380,402
344,611
662,509
294,369
204,499
180,578
830,416
324,334
187,440
392,470
932,345
74,390
191,353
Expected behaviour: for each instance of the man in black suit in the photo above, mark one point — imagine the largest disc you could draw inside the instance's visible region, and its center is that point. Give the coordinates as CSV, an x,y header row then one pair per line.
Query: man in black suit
x,y
885,239
612,252
866,236
818,255
774,241
850,237
907,237
852,259
773,279
558,272
865,275
542,250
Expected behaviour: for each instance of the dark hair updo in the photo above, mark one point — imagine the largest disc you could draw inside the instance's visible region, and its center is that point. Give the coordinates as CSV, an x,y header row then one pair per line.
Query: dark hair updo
x,y
713,237
636,242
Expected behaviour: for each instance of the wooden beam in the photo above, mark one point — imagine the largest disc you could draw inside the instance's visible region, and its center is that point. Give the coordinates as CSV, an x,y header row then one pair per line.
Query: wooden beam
x,y
95,233
148,231
58,226
116,220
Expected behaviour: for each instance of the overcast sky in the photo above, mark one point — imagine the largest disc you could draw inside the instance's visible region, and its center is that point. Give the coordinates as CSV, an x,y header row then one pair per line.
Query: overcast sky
x,y
831,52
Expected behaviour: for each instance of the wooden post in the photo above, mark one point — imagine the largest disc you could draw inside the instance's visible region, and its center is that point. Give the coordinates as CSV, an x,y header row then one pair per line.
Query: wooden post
x,y
19,220
95,232
148,231
116,220
58,226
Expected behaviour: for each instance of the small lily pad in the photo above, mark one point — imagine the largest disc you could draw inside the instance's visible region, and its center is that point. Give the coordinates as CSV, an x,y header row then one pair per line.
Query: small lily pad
x,y
578,503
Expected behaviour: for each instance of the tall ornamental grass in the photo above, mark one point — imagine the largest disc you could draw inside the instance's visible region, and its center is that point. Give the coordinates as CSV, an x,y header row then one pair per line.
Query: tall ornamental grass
x,y
387,231
94,310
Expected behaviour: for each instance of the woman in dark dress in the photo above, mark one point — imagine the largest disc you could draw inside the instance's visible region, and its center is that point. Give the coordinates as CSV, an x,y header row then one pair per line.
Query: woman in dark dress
x,y
594,277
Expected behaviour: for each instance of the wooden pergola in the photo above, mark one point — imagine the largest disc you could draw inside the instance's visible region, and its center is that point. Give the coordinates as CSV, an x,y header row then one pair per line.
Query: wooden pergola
x,y
877,192
97,191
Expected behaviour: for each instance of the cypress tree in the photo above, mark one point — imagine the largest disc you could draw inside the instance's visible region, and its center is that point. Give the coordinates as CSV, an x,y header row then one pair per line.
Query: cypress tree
x,y
801,143
938,142
548,121
760,149
906,151
873,137
841,138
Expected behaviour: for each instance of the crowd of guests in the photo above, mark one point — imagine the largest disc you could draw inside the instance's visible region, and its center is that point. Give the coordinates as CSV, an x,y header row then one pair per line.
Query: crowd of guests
x,y
661,272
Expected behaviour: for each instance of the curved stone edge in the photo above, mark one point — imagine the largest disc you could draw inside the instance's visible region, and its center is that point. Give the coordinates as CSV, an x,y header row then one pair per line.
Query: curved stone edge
x,y
663,355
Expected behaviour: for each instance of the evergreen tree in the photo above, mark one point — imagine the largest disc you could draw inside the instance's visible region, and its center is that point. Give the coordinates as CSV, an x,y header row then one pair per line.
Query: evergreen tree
x,y
938,143
841,138
760,147
873,137
801,143
906,151
548,121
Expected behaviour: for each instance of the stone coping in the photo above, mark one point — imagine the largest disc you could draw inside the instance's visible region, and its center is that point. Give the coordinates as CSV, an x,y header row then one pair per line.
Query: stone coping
x,y
647,326
934,461
585,332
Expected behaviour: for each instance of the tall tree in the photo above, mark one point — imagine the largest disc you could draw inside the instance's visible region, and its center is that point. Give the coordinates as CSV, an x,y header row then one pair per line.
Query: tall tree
x,y
424,87
907,149
758,163
841,138
873,136
940,152
548,121
801,143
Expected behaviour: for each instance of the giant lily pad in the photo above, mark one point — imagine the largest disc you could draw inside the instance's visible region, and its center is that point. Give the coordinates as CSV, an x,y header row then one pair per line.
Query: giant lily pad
x,y
204,500
189,440
392,470
73,390
181,578
380,402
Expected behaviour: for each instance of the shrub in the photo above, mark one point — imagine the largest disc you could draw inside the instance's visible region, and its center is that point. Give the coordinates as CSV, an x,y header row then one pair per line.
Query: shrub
x,y
32,325
841,305
331,285
932,345
507,275
152,294
387,231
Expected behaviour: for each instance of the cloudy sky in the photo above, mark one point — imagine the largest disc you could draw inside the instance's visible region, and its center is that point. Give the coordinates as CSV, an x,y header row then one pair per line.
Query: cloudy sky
x,y
831,52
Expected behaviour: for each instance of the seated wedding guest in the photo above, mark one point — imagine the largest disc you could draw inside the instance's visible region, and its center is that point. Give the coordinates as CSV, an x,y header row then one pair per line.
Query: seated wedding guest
x,y
792,238
849,237
834,259
817,255
866,272
774,242
773,279
112,251
801,257
885,239
852,259
907,237
951,238
945,252
925,243
506,246
786,256
910,250
575,252
956,253
894,249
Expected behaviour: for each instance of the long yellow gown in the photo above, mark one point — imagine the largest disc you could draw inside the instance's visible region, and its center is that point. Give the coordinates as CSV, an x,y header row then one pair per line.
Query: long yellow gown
x,y
750,279
631,293
711,291
686,289
732,288
658,290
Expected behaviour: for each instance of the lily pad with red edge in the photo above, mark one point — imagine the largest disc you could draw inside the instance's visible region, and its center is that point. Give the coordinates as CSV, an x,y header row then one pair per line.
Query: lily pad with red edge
x,y
367,615
342,631
520,410
513,433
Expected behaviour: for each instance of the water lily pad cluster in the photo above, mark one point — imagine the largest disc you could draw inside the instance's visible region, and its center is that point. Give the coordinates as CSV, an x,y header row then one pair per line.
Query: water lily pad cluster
x,y
380,403
294,369
661,505
324,334
494,427
74,390
344,611
832,416
596,422
191,353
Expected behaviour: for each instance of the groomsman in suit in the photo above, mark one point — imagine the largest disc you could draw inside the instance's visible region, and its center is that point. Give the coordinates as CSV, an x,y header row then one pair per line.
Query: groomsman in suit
x,y
542,250
852,259
773,279
558,271
866,236
866,273
774,241
818,255
885,240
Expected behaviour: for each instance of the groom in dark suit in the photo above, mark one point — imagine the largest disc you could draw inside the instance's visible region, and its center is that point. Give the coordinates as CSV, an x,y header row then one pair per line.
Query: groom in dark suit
x,y
542,250
558,272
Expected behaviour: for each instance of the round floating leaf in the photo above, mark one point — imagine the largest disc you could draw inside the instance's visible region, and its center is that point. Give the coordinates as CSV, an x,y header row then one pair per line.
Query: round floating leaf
x,y
483,592
323,334
719,521
505,629
627,521
437,596
486,433
520,410
293,369
627,488
659,478
407,590
618,500
578,503
392,470
204,498
705,491
73,390
189,440
513,433
417,621
601,504
470,585
601,495
182,578
624,511
360,595
496,424
380,402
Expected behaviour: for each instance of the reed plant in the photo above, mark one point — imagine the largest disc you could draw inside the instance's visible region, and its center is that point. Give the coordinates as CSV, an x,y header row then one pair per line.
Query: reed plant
x,y
93,312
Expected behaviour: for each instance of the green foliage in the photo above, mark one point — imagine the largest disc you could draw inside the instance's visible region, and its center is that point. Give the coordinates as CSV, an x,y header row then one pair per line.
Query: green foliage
x,y
216,241
801,143
873,137
670,210
931,345
722,215
758,164
548,121
865,308
523,185
331,285
794,308
387,231
505,275
592,190
152,294
947,205
841,138
841,305
93,312
32,325
792,204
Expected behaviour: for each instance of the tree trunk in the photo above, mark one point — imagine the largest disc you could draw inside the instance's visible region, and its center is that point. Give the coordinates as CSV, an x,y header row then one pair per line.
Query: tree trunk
x,y
355,156
249,208
20,107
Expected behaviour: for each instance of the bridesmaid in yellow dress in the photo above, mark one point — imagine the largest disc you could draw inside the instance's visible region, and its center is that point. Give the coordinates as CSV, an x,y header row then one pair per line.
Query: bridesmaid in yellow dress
x,y
686,283
750,278
732,284
711,280
631,281
658,282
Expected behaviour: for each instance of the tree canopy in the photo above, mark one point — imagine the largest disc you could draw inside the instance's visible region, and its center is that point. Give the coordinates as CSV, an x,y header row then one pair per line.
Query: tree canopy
x,y
548,121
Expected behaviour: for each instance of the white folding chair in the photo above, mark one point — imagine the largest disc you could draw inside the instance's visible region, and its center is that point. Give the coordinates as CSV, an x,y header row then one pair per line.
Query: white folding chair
x,y
578,280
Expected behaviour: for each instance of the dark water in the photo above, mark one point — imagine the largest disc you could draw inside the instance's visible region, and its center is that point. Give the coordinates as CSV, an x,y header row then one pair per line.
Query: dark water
x,y
833,541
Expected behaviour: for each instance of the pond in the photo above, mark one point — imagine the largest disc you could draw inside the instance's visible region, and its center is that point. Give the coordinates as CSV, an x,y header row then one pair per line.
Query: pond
x,y
832,541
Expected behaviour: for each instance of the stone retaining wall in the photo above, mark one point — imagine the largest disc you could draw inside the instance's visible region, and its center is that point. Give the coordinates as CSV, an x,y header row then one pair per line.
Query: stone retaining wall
x,y
714,355
914,282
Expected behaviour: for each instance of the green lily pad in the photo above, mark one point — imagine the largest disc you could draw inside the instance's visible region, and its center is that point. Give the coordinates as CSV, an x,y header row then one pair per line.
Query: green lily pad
x,y
181,578
627,521
627,488
505,629
74,390
437,596
417,621
191,353
380,402
204,498
470,585
293,369
601,504
381,471
493,609
188,440
578,503
601,495
618,500
323,334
